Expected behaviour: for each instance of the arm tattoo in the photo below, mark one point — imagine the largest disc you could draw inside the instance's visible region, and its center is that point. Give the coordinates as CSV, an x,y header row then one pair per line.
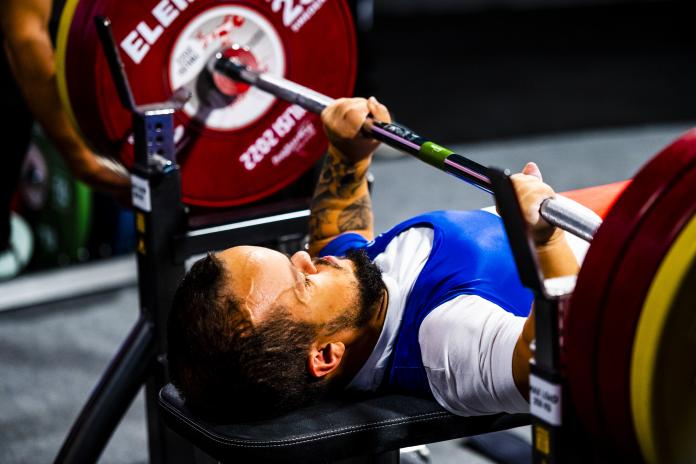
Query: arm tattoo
x,y
357,216
341,201
337,179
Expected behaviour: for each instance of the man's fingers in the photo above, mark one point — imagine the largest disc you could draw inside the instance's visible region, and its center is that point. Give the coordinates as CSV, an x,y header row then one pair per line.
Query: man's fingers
x,y
344,116
354,117
378,110
343,120
531,169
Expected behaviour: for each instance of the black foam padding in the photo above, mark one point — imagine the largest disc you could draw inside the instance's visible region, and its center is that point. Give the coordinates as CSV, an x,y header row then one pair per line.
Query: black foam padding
x,y
330,430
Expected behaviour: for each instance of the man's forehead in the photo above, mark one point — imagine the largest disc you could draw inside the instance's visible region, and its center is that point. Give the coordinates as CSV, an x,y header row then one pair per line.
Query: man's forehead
x,y
238,253
257,277
241,259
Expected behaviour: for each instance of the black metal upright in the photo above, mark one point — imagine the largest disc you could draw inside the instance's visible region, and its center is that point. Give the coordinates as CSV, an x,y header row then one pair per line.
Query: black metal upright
x,y
555,437
159,217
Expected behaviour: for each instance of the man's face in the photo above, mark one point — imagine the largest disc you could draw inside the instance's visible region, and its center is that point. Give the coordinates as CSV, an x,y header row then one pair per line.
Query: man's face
x,y
314,291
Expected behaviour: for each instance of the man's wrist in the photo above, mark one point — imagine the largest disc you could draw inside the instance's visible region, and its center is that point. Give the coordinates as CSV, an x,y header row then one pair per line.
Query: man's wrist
x,y
556,257
360,167
553,245
550,241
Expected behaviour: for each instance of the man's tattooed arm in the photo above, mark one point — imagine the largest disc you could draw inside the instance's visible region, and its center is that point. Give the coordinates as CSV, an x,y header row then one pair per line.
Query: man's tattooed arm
x,y
341,202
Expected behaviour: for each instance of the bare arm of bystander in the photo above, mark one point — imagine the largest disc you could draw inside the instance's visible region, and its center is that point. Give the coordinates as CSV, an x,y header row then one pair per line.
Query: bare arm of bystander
x,y
28,46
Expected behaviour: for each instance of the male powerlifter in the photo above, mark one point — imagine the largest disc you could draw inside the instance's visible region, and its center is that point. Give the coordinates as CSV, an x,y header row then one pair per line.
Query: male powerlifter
x,y
433,307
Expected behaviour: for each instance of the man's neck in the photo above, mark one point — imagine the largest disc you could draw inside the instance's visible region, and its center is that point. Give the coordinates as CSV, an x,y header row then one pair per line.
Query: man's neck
x,y
362,345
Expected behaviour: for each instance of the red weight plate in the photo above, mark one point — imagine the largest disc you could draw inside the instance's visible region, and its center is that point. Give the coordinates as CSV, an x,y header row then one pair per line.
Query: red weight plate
x,y
625,301
598,270
600,198
234,144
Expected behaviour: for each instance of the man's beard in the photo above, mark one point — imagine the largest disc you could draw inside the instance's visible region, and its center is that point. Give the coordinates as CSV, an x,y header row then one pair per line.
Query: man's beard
x,y
370,285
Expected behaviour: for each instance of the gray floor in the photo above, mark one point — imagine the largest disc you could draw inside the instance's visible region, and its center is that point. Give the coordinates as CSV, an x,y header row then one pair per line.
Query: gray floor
x,y
50,357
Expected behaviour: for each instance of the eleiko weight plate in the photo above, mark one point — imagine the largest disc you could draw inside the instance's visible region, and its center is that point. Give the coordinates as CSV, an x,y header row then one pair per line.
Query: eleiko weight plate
x,y
234,144
624,303
596,274
663,397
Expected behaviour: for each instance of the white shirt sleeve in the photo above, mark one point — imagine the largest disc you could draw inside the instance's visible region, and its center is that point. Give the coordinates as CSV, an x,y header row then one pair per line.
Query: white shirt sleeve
x,y
466,347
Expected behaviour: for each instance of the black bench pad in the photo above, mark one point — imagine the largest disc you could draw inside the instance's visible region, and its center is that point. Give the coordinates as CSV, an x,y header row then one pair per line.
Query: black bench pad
x,y
330,429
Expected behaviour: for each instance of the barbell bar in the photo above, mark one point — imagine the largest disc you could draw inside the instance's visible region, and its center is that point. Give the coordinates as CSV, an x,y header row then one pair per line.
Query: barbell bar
x,y
559,211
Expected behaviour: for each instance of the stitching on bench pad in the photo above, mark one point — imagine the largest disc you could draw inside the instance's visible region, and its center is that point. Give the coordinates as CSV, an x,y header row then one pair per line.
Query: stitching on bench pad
x,y
305,438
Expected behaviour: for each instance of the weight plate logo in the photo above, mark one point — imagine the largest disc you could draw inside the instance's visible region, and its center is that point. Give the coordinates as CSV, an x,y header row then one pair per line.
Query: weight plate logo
x,y
244,34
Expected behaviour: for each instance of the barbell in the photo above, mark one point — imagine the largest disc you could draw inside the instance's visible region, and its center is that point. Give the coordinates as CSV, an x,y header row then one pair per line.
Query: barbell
x,y
629,333
559,211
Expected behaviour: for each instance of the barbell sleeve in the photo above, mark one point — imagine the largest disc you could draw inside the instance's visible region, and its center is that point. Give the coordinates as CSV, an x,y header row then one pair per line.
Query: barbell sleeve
x,y
277,86
559,211
570,216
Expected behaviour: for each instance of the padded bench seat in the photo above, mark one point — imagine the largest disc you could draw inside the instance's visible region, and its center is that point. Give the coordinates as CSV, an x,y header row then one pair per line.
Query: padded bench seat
x,y
329,430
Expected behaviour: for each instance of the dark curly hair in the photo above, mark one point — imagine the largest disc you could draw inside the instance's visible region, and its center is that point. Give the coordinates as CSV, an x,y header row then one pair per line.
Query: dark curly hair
x,y
223,365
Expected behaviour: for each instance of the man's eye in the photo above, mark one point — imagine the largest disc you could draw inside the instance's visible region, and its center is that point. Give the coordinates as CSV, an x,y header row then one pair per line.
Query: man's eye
x,y
307,282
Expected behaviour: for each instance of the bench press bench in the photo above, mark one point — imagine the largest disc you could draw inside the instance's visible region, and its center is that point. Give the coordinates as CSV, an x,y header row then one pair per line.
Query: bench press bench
x,y
358,429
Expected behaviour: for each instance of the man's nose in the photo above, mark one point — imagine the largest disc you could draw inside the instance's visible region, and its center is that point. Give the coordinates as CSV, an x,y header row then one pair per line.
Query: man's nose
x,y
303,262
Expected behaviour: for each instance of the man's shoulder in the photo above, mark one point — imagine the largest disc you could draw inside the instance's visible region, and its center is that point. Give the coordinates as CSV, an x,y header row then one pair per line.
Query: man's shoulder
x,y
458,322
343,243
463,310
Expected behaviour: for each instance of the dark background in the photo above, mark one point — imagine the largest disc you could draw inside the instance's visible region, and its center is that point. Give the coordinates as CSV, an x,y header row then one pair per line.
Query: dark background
x,y
456,71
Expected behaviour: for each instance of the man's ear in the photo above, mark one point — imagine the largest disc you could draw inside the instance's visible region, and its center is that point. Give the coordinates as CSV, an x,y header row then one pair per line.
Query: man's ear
x,y
325,358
